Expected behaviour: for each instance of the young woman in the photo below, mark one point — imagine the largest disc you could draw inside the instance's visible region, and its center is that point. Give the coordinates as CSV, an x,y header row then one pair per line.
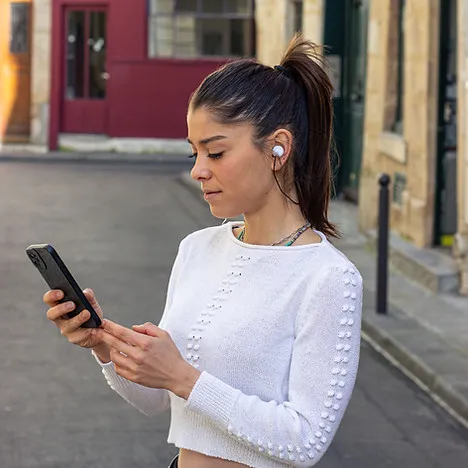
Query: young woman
x,y
257,350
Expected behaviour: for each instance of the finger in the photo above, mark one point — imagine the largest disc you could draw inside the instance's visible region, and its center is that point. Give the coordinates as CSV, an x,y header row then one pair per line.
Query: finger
x,y
139,329
58,311
115,342
79,336
123,366
122,333
69,326
53,296
122,370
89,293
119,358
148,328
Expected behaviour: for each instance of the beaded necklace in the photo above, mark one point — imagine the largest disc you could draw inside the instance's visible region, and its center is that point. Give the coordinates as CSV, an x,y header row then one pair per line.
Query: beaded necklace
x,y
295,235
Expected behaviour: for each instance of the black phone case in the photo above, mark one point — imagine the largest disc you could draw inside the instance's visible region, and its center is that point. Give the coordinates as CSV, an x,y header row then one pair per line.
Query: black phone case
x,y
46,259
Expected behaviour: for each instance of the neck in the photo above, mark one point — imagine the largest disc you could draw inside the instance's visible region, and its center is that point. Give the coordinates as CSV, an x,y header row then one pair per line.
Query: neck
x,y
272,222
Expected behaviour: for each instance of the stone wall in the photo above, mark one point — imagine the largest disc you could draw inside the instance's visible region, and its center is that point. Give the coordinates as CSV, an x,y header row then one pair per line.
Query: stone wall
x,y
461,238
412,152
274,24
40,70
313,22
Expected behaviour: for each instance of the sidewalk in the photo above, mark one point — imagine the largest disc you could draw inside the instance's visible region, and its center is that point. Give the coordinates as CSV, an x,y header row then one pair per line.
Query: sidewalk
x,y
29,155
425,334
100,147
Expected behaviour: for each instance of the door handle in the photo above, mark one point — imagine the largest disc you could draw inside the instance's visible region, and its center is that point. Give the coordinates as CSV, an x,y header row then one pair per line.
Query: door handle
x,y
105,76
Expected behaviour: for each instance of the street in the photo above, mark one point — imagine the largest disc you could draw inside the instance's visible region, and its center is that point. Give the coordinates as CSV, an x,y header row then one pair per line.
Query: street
x,y
117,227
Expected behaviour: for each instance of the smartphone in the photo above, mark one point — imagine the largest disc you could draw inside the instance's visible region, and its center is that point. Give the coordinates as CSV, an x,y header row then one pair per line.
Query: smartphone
x,y
46,259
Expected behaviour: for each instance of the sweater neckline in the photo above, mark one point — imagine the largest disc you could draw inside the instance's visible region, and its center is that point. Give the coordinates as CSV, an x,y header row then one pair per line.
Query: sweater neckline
x,y
231,224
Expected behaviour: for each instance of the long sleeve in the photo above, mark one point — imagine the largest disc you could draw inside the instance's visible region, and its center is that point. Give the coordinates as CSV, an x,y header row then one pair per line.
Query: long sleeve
x,y
150,401
323,370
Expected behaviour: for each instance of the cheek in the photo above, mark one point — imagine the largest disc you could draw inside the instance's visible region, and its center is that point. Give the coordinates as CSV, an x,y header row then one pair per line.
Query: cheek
x,y
253,181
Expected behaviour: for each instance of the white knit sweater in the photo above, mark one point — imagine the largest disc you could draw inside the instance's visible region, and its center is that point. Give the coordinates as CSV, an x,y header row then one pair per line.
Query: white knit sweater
x,y
275,332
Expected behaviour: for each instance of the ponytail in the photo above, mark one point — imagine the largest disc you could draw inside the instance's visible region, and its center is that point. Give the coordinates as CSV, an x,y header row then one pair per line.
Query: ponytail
x,y
313,172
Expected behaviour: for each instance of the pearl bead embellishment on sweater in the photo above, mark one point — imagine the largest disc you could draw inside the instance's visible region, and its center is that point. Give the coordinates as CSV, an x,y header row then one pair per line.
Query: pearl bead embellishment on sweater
x,y
332,397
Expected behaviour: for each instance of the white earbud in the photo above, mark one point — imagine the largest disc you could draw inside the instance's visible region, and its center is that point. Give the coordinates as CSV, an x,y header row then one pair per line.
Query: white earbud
x,y
278,151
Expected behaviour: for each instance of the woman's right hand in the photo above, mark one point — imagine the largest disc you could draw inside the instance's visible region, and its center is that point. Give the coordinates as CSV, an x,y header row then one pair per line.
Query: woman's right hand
x,y
71,328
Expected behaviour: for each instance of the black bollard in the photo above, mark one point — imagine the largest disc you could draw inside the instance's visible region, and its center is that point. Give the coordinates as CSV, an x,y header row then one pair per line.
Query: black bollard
x,y
382,245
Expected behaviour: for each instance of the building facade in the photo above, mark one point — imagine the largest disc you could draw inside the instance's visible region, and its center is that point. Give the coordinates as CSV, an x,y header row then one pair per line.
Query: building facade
x,y
126,69
400,70
117,68
416,122
15,70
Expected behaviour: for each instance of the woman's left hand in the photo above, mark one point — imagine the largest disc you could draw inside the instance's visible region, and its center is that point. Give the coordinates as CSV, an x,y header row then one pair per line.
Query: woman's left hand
x,y
150,357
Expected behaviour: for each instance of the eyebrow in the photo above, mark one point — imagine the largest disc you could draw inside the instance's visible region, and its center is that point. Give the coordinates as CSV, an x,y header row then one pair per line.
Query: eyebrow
x,y
209,140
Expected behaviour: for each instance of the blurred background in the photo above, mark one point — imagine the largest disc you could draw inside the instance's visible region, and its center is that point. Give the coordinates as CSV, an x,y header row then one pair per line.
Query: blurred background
x,y
103,85
92,75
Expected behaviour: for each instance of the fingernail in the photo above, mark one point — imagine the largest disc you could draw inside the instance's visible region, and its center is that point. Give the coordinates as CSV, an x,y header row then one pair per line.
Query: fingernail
x,y
59,295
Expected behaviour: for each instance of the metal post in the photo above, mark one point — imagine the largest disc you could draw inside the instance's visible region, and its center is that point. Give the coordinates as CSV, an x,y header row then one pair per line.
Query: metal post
x,y
382,245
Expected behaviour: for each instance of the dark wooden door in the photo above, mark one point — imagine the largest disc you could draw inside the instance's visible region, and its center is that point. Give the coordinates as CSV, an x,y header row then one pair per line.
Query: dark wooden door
x,y
446,183
15,70
84,108
357,16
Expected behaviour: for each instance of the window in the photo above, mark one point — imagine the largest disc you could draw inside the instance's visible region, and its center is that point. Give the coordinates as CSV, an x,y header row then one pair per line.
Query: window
x,y
396,64
201,28
297,15
19,28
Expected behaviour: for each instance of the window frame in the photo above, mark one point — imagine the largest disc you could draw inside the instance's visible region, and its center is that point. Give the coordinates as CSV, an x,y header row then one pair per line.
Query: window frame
x,y
397,126
394,118
200,14
19,28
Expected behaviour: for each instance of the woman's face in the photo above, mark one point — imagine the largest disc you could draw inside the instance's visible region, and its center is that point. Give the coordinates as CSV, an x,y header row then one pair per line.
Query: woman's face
x,y
234,174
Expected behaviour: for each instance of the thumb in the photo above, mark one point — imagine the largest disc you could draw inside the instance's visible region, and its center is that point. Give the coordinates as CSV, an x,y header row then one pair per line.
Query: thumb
x,y
89,293
147,328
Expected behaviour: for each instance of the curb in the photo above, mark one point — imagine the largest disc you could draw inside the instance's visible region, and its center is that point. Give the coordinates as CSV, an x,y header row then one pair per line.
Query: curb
x,y
88,143
450,399
392,350
95,157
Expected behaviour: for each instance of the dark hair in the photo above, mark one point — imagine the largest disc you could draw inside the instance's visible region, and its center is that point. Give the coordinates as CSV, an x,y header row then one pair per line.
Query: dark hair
x,y
297,96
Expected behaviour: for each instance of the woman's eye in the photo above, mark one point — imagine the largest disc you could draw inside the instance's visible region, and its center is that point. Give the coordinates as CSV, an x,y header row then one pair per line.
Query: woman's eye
x,y
215,155
210,155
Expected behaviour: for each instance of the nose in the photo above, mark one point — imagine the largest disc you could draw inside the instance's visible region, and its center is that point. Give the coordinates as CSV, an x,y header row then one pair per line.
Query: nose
x,y
200,171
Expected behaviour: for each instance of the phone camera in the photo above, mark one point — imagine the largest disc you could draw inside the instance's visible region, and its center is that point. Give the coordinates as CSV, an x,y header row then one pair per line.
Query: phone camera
x,y
36,260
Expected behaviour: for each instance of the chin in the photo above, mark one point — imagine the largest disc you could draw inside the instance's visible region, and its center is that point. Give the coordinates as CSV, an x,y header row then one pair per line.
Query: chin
x,y
218,212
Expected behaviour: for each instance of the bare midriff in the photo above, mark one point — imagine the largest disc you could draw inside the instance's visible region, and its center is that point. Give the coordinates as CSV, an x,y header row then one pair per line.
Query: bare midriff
x,y
191,459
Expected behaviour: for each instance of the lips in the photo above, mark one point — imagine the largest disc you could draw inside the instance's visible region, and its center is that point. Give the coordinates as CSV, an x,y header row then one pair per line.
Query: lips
x,y
209,196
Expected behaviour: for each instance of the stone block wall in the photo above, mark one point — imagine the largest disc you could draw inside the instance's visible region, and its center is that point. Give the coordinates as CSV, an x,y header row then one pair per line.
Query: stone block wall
x,y
411,153
461,238
41,70
274,26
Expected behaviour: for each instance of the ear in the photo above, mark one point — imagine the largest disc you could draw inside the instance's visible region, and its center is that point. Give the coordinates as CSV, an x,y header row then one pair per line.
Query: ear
x,y
281,137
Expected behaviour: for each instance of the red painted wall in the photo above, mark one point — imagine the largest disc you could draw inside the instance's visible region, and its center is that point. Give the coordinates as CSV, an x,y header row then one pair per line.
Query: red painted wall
x,y
148,98
145,97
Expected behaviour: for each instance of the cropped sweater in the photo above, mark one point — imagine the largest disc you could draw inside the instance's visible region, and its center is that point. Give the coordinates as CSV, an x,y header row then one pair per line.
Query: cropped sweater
x,y
275,333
